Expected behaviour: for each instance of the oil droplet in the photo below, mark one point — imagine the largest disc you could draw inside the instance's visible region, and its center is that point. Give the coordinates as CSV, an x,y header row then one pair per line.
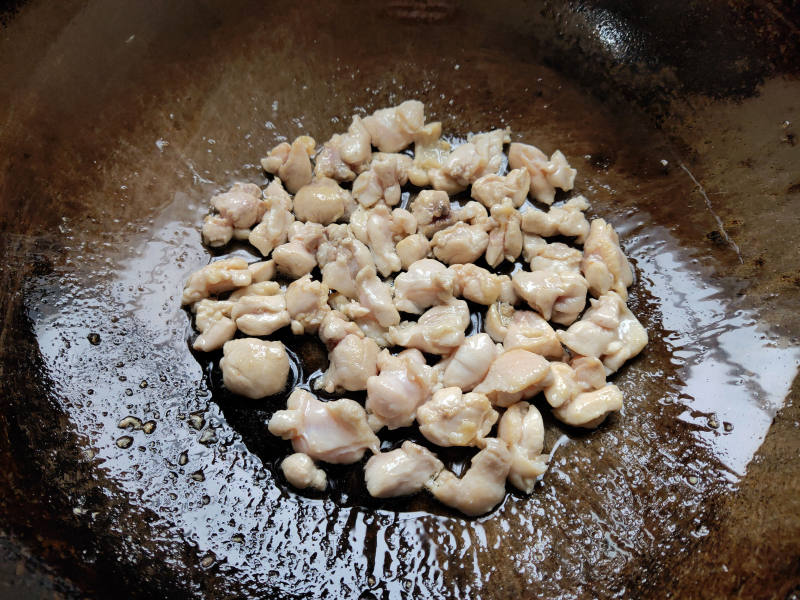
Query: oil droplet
x,y
129,392
130,421
693,480
208,437
125,441
207,561
183,458
149,427
199,475
727,426
94,338
205,500
143,384
196,421
712,422
238,538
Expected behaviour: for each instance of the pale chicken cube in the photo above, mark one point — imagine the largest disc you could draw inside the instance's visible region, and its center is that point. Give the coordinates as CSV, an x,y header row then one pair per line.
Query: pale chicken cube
x,y
505,236
376,296
212,320
403,383
546,175
508,294
467,367
513,376
426,283
273,230
532,244
260,315
401,472
298,256
493,189
217,231
340,260
345,155
383,229
254,368
335,327
430,152
383,181
557,257
301,472
529,331
362,317
432,211
590,373
460,243
522,429
215,278
476,284
498,318
557,296
292,163
262,288
334,432
482,487
567,220
392,129
583,374
307,303
411,249
481,155
241,206
604,265
589,409
321,201
351,362
472,213
261,271
452,418
439,330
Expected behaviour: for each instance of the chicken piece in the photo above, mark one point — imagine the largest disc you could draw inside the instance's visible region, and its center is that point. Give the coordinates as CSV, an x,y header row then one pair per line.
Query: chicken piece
x,y
334,432
383,181
452,418
301,472
557,257
513,376
298,256
608,331
430,152
335,327
254,368
505,236
241,206
217,231
482,487
345,155
273,229
352,362
291,163
321,201
439,330
546,175
427,282
604,265
432,211
481,155
475,283
392,129
467,367
376,296
362,317
215,278
260,315
262,288
567,220
401,472
584,374
523,430
261,271
340,260
492,189
590,373
307,303
498,318
411,249
404,383
558,296
460,243
383,229
529,331
507,293
589,409
532,244
212,320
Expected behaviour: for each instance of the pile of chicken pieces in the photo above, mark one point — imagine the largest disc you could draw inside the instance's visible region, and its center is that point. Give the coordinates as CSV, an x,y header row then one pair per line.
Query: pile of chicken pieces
x,y
380,265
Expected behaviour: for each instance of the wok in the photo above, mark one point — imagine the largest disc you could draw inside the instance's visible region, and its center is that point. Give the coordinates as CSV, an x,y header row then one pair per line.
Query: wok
x,y
119,120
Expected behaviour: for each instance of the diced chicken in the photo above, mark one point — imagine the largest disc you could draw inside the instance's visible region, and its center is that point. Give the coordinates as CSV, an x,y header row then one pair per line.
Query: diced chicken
x,y
321,201
467,367
215,278
376,296
558,296
345,155
401,472
513,376
217,231
498,318
392,129
482,487
430,152
411,249
590,373
567,220
334,432
292,163
383,181
505,236
261,271
508,294
492,189
529,331
241,206
362,317
426,283
585,374
404,383
273,230
460,243
254,368
335,327
340,260
212,320
432,211
452,418
262,288
608,331
439,330
383,229
476,284
604,265
481,155
546,175
298,257
307,303
352,362
301,472
523,430
557,257
260,315
532,244
589,409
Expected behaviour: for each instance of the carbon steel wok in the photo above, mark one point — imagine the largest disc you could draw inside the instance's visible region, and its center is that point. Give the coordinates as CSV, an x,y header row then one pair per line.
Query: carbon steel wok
x,y
118,120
